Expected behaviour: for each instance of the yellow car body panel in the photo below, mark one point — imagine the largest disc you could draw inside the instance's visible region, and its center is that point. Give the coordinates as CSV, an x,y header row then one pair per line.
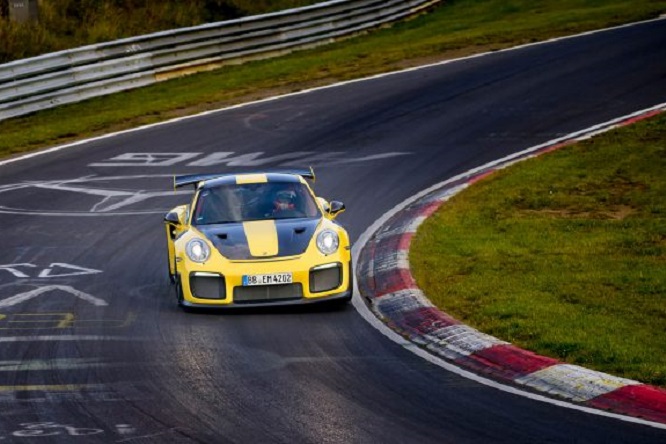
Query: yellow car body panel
x,y
244,251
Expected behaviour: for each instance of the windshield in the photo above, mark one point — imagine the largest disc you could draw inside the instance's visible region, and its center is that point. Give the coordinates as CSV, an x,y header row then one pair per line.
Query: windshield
x,y
254,201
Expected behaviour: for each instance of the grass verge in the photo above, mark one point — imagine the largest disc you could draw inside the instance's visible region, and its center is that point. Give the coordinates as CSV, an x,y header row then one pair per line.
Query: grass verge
x,y
564,255
455,29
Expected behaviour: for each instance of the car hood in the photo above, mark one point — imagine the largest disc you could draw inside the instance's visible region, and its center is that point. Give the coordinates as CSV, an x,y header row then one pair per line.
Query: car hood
x,y
262,239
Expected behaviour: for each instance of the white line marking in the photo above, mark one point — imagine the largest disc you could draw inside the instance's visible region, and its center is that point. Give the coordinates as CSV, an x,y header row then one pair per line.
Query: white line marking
x,y
146,159
307,91
125,429
57,364
22,297
48,272
46,338
365,312
17,273
80,271
9,210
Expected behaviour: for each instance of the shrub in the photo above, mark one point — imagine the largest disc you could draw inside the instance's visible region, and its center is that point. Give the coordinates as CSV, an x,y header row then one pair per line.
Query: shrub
x,y
67,24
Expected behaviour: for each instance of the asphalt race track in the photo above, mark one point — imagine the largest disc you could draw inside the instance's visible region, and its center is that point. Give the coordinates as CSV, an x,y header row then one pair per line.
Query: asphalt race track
x,y
94,349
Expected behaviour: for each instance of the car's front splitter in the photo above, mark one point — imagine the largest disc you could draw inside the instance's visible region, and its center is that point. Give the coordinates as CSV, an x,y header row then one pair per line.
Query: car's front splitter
x,y
344,296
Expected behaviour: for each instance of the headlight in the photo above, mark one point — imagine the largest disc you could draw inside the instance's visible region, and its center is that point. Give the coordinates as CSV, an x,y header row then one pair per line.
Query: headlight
x,y
328,241
197,250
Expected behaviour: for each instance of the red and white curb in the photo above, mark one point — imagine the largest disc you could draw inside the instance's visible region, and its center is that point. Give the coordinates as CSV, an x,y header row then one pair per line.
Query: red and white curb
x,y
386,284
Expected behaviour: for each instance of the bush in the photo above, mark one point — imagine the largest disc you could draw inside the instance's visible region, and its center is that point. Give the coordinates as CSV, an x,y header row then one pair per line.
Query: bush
x,y
65,24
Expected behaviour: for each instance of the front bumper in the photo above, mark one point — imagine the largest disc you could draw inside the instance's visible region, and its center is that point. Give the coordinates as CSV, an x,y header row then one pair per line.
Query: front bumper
x,y
221,286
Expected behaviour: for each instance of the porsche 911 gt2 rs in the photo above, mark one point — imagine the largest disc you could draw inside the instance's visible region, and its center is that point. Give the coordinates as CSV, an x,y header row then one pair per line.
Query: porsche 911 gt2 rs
x,y
257,239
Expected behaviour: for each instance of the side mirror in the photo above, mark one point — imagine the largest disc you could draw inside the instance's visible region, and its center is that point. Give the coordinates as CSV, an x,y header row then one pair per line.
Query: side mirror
x,y
172,218
178,216
336,208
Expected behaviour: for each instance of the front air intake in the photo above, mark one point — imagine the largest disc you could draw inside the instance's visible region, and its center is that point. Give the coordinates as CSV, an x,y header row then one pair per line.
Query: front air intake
x,y
267,293
207,286
325,278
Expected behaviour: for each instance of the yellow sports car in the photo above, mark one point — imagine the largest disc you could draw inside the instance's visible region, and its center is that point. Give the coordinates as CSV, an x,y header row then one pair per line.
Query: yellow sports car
x,y
257,239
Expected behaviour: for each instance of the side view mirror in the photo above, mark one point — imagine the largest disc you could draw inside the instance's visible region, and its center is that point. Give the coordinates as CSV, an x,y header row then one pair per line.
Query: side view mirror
x,y
172,218
177,216
335,208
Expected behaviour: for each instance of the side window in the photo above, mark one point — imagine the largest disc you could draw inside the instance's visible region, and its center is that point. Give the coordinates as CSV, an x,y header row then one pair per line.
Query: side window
x,y
199,216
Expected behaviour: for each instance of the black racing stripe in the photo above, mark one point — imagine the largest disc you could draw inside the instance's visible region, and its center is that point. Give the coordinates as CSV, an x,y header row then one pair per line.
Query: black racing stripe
x,y
229,239
224,180
294,235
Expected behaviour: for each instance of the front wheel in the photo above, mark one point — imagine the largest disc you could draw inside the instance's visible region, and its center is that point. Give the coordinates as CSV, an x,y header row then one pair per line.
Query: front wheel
x,y
180,298
172,276
179,290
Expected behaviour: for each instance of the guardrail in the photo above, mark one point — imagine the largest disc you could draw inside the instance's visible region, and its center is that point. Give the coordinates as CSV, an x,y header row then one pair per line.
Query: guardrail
x,y
46,81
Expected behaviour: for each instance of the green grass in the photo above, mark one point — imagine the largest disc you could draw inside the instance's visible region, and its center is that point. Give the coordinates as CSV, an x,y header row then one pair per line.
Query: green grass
x,y
564,255
457,28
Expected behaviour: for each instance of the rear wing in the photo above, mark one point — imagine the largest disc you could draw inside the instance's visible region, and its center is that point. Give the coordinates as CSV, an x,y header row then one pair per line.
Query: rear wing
x,y
195,179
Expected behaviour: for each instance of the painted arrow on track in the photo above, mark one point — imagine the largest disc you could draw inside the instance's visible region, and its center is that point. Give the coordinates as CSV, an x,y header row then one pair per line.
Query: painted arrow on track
x,y
22,297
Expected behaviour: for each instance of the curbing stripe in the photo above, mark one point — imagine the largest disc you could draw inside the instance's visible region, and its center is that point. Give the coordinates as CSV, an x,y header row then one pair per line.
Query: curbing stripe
x,y
409,225
400,303
463,340
639,400
574,382
428,321
506,362
394,282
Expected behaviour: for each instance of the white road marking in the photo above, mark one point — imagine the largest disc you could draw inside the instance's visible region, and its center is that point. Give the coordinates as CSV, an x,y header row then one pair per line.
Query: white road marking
x,y
9,210
231,159
28,295
49,272
125,429
370,158
248,159
56,338
111,199
80,271
57,364
12,268
40,429
146,159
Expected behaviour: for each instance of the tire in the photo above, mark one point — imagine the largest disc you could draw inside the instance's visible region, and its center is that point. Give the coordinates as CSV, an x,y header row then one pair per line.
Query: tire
x,y
172,277
179,291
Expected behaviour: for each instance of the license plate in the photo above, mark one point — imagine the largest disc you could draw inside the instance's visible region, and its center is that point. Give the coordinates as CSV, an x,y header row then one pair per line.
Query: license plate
x,y
267,279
